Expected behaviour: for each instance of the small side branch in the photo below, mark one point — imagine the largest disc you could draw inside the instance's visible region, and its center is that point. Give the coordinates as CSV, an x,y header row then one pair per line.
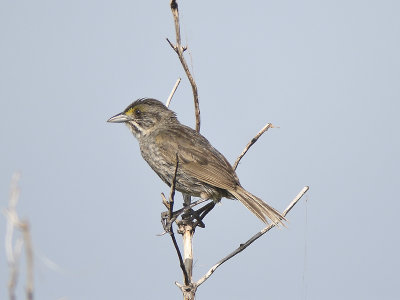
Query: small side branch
x,y
251,143
179,51
172,92
251,240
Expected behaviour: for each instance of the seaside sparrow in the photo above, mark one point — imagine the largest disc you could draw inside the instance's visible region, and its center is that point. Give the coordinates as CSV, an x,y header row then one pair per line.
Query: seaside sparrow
x,y
202,170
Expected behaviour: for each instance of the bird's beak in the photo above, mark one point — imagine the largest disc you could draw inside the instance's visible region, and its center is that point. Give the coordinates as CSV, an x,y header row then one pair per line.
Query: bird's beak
x,y
120,118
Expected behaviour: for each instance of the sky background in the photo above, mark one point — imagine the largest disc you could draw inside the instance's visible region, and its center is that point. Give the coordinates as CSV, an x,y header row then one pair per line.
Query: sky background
x,y
326,72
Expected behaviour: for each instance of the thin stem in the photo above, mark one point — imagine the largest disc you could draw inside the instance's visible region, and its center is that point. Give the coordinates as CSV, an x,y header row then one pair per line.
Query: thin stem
x,y
251,143
13,252
179,51
29,259
171,231
172,92
251,240
187,230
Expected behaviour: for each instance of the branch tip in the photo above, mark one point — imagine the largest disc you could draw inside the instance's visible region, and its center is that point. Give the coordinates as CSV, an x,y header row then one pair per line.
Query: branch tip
x,y
251,240
179,51
251,143
173,92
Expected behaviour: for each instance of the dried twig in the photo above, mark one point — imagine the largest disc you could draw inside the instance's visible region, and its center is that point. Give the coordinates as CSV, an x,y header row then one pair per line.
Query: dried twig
x,y
29,259
251,143
251,240
179,51
13,252
172,92
170,206
186,226
14,267
186,229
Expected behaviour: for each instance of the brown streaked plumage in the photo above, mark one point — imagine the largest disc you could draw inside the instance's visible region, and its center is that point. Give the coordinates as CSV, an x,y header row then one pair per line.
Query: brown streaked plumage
x,y
202,170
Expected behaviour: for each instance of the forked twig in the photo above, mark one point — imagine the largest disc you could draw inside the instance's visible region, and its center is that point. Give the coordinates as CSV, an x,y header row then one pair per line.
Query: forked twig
x,y
251,143
251,240
179,51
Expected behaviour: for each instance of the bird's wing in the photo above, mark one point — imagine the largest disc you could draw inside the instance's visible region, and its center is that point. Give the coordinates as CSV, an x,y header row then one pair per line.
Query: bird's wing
x,y
197,157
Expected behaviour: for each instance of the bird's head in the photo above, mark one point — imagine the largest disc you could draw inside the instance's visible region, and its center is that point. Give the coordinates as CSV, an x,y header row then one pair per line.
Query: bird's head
x,y
144,115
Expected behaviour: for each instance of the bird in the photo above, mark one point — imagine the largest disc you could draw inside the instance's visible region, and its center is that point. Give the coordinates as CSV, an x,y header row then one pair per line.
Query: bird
x,y
201,170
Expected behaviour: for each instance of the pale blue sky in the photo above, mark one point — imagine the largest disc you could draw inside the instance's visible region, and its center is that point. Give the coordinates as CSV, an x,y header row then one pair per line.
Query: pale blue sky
x,y
326,72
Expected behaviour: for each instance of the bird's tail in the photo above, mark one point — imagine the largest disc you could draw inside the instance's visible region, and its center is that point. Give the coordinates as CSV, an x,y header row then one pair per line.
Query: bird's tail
x,y
258,207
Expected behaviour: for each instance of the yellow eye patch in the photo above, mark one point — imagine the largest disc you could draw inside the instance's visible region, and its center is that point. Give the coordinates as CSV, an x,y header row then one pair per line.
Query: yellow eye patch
x,y
134,111
129,112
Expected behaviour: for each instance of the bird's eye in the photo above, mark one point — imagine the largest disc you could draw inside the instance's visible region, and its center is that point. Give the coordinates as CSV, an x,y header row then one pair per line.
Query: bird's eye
x,y
138,112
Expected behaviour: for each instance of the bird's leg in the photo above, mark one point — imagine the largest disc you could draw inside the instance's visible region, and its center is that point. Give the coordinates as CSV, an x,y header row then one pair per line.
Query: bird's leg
x,y
197,216
202,212
166,220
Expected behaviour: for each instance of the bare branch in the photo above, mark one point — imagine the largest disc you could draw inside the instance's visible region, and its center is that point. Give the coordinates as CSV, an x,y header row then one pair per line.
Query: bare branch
x,y
172,92
181,263
29,259
251,143
187,237
12,282
13,252
251,240
186,226
12,217
179,51
295,200
170,206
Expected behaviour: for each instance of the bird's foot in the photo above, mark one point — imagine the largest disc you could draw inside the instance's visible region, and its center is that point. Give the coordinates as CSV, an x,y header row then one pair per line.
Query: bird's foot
x,y
188,215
